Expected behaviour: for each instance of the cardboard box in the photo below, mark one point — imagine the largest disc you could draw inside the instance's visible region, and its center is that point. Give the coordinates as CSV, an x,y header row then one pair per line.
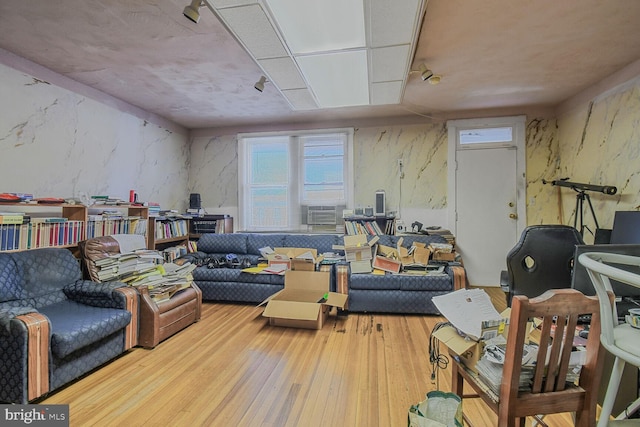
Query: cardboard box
x,y
305,259
444,256
468,350
304,302
360,266
386,264
357,247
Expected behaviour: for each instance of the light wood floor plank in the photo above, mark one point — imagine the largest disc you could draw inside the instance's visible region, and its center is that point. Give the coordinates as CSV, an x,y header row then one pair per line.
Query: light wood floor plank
x,y
233,369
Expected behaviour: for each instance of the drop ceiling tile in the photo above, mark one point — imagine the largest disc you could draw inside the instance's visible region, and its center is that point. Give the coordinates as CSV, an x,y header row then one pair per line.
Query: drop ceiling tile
x,y
252,27
390,63
221,4
394,22
283,73
337,79
300,99
386,93
319,26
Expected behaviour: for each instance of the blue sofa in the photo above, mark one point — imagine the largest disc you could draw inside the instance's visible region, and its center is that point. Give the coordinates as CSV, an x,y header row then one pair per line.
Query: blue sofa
x,y
389,293
54,326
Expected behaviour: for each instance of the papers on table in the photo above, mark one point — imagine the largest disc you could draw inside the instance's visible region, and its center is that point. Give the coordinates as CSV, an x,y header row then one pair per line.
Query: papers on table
x,y
468,310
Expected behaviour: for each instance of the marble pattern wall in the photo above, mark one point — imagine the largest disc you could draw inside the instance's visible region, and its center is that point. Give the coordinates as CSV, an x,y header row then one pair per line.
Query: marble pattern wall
x,y
56,143
214,173
421,195
542,159
600,145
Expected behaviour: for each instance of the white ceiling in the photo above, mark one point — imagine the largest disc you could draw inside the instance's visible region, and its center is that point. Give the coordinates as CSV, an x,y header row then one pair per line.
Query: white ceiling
x,y
492,54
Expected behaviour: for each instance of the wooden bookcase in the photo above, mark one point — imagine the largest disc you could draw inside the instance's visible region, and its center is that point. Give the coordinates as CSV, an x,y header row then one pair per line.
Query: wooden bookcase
x,y
210,224
41,233
165,232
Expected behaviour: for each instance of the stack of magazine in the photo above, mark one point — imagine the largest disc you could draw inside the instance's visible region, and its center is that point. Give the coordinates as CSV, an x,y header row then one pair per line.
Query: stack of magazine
x,y
122,265
491,364
146,268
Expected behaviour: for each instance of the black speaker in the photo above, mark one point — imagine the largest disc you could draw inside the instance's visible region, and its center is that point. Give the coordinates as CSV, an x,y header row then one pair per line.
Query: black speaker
x,y
194,201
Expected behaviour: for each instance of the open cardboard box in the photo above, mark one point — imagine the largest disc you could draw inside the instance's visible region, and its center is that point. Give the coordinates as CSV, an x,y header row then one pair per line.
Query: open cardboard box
x,y
468,350
357,247
304,302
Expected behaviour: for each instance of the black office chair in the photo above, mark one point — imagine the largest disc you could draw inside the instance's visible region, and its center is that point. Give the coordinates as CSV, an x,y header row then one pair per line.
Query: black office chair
x,y
541,260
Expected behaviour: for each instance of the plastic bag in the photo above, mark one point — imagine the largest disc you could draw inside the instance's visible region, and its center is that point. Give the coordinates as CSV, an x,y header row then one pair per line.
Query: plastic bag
x,y
439,409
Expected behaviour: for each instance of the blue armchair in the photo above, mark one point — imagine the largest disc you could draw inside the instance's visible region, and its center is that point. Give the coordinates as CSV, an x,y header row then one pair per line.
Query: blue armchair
x,y
54,326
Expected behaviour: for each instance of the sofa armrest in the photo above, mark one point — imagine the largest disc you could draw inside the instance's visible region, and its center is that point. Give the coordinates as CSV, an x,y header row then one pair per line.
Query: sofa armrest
x,y
111,295
97,294
24,354
459,277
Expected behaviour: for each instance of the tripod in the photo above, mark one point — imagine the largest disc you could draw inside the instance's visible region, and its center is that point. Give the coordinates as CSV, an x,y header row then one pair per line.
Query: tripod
x,y
580,198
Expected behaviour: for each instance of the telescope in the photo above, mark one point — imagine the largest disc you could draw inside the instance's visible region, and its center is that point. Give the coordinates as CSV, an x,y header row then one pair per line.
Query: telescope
x,y
606,189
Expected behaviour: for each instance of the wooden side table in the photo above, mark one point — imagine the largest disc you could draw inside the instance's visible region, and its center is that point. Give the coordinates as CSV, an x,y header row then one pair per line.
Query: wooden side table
x,y
159,321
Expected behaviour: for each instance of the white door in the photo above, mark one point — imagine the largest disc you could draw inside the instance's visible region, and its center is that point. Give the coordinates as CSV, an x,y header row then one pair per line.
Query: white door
x,y
487,197
486,213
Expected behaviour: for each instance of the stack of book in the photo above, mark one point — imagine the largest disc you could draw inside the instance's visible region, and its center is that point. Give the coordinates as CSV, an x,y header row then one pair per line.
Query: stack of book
x,y
146,268
127,265
165,280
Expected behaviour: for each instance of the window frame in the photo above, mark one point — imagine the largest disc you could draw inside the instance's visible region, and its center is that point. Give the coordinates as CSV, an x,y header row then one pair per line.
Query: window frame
x,y
295,176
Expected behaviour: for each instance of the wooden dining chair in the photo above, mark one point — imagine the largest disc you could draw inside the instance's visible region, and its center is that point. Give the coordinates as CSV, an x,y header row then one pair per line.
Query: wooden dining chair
x,y
558,310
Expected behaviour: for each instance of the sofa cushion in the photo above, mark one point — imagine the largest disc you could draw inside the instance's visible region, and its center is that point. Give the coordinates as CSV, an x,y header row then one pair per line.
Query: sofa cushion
x,y
74,325
256,241
374,282
10,280
435,282
232,243
322,242
232,275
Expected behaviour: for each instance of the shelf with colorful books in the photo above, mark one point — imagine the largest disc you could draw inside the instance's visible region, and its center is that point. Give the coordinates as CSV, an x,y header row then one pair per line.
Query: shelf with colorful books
x,y
26,226
119,219
365,225
165,231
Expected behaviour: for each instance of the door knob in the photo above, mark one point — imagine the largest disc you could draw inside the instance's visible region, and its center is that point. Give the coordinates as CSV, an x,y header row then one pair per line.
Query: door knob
x,y
513,216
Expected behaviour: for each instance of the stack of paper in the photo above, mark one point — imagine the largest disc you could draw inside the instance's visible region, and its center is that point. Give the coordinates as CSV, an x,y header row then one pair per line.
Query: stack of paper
x,y
468,310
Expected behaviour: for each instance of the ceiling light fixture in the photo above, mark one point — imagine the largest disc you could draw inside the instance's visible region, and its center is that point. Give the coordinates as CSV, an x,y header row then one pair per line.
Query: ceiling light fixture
x,y
425,73
192,12
259,86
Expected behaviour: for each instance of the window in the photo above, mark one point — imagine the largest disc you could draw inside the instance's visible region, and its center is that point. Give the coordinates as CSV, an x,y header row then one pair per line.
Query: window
x,y
486,135
282,174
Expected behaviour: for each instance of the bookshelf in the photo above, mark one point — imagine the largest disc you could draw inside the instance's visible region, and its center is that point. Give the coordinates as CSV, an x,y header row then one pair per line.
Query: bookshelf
x,y
129,220
370,225
165,232
64,225
210,224
49,225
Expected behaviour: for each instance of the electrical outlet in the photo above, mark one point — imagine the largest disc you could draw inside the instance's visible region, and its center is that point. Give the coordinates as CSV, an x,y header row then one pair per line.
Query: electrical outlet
x,y
400,163
401,168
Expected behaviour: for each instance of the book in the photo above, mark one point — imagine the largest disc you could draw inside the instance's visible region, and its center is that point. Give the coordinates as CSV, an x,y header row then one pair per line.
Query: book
x,y
12,218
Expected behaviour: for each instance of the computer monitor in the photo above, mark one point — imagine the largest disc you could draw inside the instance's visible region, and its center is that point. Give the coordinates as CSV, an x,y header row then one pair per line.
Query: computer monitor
x,y
626,228
627,296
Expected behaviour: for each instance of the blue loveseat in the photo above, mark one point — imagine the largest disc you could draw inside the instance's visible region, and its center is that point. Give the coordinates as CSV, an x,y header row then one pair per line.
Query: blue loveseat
x,y
389,293
54,326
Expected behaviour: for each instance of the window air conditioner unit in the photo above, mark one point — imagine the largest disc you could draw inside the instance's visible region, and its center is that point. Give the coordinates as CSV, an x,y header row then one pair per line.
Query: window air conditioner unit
x,y
321,215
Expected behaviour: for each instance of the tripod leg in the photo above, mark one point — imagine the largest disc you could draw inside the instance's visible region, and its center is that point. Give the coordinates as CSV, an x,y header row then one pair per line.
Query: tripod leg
x,y
593,214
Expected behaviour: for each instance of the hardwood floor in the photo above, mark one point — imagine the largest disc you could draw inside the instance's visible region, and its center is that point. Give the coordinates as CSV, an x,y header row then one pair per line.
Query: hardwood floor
x,y
233,369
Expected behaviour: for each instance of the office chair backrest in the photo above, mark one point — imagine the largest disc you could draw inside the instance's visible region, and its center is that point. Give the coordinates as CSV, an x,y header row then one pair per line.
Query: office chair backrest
x,y
542,259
